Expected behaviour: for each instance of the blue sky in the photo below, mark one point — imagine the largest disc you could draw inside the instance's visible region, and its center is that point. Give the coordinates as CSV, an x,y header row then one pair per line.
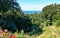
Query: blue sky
x,y
35,5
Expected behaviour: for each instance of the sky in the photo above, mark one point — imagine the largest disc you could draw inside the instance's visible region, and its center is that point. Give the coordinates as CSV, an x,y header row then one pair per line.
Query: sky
x,y
35,5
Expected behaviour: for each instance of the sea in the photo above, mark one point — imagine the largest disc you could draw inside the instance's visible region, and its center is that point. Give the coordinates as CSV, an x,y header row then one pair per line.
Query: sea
x,y
31,12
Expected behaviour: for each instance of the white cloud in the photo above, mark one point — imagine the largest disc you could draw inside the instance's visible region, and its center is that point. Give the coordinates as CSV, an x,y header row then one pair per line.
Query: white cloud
x,y
32,7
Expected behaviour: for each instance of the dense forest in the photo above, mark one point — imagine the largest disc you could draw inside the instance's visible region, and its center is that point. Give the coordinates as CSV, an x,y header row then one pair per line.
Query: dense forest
x,y
13,19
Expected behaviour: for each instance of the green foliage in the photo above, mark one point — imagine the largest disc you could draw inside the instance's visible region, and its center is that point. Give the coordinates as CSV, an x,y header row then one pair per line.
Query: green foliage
x,y
8,4
58,23
12,18
51,12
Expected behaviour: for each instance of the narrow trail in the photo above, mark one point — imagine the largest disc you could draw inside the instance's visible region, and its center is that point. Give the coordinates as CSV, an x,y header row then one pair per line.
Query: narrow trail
x,y
54,30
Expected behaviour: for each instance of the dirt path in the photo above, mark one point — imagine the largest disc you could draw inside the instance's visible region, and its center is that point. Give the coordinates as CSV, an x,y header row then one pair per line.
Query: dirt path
x,y
54,31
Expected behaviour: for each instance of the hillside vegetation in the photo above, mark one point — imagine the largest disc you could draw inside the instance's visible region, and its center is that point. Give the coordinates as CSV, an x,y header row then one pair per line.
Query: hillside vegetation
x,y
30,25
